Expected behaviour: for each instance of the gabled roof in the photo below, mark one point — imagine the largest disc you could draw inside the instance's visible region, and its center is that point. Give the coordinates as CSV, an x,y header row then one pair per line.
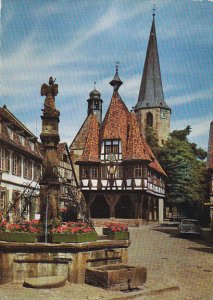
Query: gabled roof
x,y
6,114
122,125
135,147
151,89
91,149
80,138
115,123
8,119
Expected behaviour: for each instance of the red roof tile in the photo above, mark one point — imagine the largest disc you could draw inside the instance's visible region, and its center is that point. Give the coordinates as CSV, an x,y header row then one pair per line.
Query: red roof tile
x,y
115,123
120,124
135,147
154,164
91,150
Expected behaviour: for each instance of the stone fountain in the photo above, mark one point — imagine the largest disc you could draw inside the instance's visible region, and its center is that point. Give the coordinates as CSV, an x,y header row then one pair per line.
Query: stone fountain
x,y
38,262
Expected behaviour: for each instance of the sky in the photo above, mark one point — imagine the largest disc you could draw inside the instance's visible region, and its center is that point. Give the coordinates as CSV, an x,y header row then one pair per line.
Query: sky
x,y
79,41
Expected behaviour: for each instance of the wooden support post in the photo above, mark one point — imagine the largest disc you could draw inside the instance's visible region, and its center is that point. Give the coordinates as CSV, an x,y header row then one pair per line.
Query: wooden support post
x,y
160,209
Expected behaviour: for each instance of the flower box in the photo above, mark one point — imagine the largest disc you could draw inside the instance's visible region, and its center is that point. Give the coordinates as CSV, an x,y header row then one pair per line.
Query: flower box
x,y
122,235
74,238
24,237
116,231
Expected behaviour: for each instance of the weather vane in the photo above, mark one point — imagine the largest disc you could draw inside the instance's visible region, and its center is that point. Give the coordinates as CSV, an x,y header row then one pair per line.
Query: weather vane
x,y
153,9
116,66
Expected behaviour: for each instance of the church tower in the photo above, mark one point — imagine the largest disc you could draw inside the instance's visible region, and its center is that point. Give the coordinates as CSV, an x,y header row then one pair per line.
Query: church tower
x,y
95,104
151,109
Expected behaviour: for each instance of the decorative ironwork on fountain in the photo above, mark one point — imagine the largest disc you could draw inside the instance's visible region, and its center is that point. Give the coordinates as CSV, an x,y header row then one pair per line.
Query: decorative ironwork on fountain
x,y
49,184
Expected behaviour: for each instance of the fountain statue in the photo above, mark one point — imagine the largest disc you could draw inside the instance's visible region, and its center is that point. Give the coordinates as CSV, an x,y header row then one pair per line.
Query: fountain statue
x,y
49,183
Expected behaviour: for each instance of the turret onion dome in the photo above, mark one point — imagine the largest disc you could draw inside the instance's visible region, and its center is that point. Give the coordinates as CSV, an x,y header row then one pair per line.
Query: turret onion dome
x,y
95,94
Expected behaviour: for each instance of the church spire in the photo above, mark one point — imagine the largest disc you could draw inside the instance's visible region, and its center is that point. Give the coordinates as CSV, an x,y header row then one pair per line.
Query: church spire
x,y
151,89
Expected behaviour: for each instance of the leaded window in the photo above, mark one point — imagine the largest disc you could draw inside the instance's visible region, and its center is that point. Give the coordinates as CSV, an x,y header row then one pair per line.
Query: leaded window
x,y
94,172
84,173
16,165
111,150
4,160
27,169
3,198
138,171
37,172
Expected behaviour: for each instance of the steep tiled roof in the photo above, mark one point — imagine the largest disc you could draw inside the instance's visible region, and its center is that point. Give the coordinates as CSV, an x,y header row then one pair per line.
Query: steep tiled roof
x,y
154,164
120,124
80,138
7,114
91,150
135,146
115,123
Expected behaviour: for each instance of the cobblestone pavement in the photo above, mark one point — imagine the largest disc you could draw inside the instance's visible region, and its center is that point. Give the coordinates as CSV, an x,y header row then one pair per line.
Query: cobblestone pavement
x,y
169,260
187,262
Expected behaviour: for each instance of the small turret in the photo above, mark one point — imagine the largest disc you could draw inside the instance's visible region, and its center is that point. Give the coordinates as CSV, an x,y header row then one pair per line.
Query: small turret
x,y
95,104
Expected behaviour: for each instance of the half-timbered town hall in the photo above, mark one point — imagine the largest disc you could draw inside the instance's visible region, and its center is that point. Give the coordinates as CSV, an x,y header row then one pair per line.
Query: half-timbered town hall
x,y
118,173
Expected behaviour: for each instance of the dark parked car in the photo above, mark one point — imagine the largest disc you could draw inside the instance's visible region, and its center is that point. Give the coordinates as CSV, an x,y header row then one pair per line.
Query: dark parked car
x,y
189,227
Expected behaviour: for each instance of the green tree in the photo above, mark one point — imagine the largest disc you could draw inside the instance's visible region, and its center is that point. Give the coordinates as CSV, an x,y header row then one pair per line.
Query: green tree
x,y
152,140
187,186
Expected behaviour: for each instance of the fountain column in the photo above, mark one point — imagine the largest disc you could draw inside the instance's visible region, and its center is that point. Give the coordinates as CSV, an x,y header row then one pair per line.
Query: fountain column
x,y
49,184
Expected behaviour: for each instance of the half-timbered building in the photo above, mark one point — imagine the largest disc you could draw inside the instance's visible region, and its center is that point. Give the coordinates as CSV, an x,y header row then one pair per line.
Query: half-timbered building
x,y
119,175
69,191
20,168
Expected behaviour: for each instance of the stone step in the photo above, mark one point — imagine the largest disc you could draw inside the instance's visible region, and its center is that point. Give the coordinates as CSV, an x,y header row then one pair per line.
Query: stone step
x,y
45,282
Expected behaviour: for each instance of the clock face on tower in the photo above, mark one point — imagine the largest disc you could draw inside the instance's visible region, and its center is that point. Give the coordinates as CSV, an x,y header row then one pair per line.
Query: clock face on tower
x,y
164,114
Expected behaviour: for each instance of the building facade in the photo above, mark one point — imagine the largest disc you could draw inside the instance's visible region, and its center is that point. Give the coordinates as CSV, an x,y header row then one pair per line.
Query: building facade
x,y
20,168
151,109
21,161
118,173
69,192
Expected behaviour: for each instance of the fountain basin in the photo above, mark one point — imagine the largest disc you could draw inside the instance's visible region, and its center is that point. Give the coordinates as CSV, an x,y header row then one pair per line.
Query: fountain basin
x,y
19,261
116,276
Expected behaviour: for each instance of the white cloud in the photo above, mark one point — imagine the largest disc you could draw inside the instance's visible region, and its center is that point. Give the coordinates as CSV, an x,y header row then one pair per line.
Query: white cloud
x,y
200,129
197,96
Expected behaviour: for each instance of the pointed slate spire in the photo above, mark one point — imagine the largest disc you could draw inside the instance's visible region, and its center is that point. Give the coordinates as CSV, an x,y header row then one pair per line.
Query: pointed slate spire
x,y
116,82
151,89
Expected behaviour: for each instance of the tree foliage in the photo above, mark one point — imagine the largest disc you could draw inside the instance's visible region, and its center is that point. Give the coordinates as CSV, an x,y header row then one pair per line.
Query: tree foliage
x,y
187,184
